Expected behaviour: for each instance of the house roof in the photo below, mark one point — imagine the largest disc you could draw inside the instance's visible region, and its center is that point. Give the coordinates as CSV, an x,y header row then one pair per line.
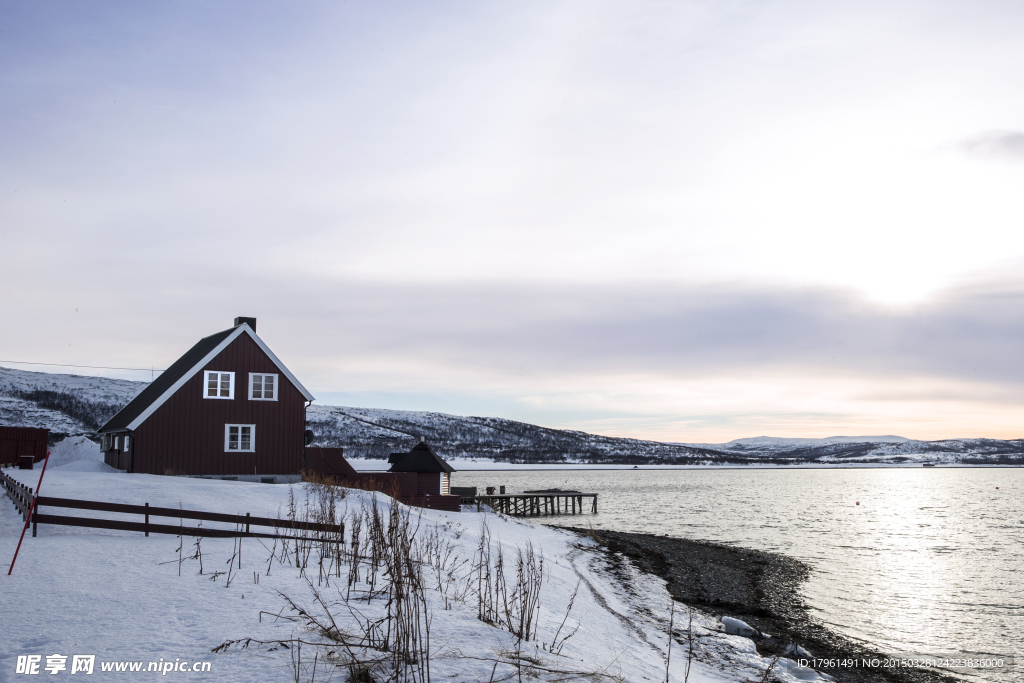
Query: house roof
x,y
421,458
329,461
184,369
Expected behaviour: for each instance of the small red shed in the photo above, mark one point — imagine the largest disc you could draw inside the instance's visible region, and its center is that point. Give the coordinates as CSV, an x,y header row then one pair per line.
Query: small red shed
x,y
228,408
18,441
419,477
433,476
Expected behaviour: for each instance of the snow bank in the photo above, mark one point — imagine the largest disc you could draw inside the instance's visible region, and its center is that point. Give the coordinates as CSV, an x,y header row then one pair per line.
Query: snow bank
x,y
77,454
119,595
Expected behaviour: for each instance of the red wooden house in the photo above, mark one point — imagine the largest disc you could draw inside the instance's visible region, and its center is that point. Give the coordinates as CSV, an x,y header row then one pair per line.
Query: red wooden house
x,y
227,408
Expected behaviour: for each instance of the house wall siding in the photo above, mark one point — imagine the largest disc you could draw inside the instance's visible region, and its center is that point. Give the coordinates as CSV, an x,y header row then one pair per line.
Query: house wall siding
x,y
18,441
428,483
185,435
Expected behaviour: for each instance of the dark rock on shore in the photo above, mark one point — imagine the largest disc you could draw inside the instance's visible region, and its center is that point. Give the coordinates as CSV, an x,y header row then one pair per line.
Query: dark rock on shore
x,y
760,588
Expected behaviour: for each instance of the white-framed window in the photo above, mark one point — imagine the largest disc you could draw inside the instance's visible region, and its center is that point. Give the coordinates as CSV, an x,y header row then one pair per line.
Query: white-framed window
x,y
239,438
262,387
218,384
126,444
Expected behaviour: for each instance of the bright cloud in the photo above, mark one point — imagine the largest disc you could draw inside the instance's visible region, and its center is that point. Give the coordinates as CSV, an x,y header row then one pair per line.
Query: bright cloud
x,y
611,211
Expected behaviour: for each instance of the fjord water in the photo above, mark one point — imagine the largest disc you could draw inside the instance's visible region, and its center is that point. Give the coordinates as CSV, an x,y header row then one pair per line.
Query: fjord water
x,y
915,561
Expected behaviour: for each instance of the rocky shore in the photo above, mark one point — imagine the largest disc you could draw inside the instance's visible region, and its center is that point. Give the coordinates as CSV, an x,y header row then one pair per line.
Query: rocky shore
x,y
760,588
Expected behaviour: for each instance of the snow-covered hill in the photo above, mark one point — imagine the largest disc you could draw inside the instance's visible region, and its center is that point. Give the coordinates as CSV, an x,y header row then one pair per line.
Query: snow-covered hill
x,y
71,404
367,433
876,449
762,442
64,404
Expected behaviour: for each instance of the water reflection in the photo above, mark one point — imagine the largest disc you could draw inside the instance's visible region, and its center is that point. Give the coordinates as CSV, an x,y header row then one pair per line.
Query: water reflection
x,y
912,560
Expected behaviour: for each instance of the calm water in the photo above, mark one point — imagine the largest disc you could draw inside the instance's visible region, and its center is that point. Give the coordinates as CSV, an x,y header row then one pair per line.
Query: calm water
x,y
930,562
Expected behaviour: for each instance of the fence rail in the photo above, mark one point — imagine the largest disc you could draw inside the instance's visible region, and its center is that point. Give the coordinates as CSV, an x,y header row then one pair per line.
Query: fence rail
x,y
21,495
148,527
177,513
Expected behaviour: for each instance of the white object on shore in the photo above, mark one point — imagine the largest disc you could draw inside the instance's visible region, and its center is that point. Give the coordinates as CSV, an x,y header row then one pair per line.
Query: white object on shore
x,y
799,671
736,627
796,650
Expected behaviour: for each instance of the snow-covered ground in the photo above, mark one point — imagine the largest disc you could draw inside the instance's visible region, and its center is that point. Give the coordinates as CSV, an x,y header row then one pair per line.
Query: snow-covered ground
x,y
119,596
76,454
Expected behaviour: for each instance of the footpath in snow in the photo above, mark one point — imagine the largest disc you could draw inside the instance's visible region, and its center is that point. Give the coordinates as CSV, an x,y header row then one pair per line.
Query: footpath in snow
x,y
459,596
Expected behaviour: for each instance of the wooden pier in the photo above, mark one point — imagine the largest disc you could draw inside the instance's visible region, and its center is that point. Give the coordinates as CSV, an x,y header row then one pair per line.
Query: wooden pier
x,y
536,503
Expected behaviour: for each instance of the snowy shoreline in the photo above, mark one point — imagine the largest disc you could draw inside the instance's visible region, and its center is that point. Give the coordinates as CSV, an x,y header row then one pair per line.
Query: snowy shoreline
x,y
116,568
118,595
761,588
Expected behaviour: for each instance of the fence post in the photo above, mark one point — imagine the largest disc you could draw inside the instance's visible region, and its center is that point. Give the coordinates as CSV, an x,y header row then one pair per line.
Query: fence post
x,y
147,521
247,524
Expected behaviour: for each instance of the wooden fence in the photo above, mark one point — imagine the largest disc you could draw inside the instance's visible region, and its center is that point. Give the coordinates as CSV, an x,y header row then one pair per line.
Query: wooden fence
x,y
21,495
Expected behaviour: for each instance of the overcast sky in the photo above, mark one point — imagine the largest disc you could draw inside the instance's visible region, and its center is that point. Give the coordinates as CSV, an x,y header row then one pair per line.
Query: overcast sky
x,y
687,221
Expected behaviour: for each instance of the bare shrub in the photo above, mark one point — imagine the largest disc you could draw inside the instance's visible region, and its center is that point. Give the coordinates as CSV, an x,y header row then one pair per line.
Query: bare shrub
x,y
374,623
395,646
514,609
556,643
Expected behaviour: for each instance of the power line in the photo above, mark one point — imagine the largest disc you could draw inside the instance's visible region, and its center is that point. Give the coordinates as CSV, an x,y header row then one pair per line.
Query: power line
x,y
67,365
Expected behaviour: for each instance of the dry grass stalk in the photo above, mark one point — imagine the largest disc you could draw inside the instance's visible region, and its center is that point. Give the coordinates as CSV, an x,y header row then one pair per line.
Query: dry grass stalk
x,y
671,637
392,561
768,672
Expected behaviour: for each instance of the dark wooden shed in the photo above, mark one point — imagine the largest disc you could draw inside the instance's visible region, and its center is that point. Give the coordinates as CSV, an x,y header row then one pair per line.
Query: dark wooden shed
x,y
228,406
433,474
18,441
418,477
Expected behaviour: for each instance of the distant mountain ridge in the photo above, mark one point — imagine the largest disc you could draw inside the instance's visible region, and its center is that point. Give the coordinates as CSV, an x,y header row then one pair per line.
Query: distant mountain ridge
x,y
76,405
374,433
876,449
776,441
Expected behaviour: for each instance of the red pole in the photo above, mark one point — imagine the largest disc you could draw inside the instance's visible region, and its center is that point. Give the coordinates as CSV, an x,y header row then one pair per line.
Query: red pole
x,y
31,511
